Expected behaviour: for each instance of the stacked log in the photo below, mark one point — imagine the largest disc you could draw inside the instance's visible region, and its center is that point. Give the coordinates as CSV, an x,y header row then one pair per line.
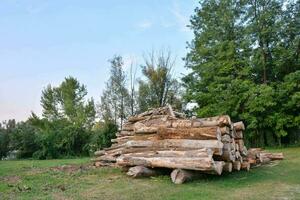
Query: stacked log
x,y
162,138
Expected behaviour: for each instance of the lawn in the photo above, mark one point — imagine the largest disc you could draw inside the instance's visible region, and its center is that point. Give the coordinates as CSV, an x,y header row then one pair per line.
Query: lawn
x,y
53,179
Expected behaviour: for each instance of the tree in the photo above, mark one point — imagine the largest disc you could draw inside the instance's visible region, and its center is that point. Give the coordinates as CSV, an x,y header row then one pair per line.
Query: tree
x,y
159,87
68,118
115,101
4,142
23,139
243,55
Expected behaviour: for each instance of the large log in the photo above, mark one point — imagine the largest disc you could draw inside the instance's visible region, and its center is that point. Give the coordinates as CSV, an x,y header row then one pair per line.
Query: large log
x,y
200,153
142,171
201,164
204,133
215,145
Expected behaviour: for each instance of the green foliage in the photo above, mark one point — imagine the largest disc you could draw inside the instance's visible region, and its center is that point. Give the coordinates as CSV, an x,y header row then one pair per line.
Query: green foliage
x,y
115,99
4,142
66,126
160,87
245,62
23,139
102,135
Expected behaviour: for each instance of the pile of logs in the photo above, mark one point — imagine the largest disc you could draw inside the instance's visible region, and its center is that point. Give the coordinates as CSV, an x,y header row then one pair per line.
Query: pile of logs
x,y
162,138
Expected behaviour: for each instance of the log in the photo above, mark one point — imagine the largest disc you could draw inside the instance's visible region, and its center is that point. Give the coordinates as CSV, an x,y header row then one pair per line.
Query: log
x,y
264,160
245,166
239,126
223,120
215,145
237,165
227,167
128,127
226,139
160,120
179,176
105,158
238,135
244,151
272,156
181,123
134,119
204,133
171,110
225,130
201,164
146,130
200,153
251,161
126,133
240,142
99,153
141,171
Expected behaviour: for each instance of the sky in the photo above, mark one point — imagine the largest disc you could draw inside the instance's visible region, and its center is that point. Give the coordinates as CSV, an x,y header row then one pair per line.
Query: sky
x,y
43,41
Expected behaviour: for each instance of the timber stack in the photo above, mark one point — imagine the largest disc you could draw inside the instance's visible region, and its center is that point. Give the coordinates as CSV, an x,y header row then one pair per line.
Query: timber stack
x,y
162,138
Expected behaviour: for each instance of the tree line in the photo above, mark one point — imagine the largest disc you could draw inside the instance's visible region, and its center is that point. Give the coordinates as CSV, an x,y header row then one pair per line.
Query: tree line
x,y
245,62
72,125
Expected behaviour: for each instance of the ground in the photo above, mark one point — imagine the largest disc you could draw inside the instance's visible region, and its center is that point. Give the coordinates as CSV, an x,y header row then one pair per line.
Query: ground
x,y
74,179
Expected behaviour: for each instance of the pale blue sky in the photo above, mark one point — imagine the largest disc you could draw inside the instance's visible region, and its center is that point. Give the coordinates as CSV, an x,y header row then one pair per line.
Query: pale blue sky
x,y
43,41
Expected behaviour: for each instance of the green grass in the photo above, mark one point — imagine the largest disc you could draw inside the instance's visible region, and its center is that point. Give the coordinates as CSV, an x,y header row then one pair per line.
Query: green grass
x,y
281,181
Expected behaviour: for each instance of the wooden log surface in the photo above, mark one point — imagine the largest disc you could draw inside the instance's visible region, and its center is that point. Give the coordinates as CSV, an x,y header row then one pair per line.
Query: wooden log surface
x,y
228,167
201,164
201,153
237,165
203,133
215,145
245,166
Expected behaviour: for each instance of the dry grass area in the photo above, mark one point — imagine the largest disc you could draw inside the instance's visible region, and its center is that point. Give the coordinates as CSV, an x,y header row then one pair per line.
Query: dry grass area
x,y
74,179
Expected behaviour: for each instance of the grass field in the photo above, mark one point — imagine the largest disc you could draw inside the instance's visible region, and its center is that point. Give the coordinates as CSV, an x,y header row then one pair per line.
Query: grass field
x,y
32,179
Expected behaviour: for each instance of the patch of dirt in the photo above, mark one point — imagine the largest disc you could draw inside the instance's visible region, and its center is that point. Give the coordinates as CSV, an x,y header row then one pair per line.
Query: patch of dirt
x,y
11,179
71,168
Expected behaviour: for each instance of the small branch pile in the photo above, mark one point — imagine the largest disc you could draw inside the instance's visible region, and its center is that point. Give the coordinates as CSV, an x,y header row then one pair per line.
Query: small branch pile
x,y
162,138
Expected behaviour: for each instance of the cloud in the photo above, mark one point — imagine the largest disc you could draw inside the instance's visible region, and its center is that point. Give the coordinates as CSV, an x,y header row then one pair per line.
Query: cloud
x,y
146,24
182,20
